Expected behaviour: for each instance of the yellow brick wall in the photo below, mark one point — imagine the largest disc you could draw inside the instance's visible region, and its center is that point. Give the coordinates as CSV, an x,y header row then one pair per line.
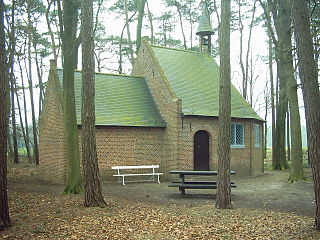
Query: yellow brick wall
x,y
245,161
52,158
168,104
128,146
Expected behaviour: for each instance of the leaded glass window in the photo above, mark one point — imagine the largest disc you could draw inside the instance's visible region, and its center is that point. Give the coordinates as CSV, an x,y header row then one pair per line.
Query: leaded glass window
x,y
237,135
257,136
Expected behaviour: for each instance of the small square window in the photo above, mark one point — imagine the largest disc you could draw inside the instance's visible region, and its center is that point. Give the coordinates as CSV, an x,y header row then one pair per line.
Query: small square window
x,y
237,135
257,134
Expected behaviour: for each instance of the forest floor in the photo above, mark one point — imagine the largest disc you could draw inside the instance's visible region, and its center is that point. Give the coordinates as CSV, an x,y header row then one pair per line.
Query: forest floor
x,y
264,207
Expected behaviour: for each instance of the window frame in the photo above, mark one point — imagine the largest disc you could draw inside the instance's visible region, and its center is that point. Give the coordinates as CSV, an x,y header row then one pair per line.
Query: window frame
x,y
257,142
233,126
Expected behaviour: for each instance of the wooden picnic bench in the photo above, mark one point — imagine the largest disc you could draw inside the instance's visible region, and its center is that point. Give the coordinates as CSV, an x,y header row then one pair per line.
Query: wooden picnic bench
x,y
183,184
123,174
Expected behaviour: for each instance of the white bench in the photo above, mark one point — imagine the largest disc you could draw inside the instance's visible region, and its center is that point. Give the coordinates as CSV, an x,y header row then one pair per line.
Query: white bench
x,y
123,175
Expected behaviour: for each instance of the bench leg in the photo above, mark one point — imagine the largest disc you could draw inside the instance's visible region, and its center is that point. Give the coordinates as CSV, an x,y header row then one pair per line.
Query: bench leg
x,y
123,181
159,178
182,190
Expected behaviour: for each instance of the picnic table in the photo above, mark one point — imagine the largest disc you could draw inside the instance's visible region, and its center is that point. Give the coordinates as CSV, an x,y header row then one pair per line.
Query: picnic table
x,y
183,184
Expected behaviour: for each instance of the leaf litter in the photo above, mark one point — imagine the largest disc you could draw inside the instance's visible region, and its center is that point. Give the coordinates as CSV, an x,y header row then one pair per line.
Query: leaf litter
x,y
45,215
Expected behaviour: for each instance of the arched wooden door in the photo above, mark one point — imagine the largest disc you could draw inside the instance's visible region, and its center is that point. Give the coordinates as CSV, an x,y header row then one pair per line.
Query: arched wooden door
x,y
201,151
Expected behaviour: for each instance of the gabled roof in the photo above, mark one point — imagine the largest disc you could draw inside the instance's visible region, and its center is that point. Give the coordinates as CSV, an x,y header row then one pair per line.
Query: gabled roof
x,y
194,78
120,101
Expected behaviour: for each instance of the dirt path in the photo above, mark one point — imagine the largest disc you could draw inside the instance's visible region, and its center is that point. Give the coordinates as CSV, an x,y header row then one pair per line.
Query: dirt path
x,y
267,191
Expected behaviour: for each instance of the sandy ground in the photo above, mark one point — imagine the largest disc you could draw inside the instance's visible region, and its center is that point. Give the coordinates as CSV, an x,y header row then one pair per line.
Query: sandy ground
x,y
266,191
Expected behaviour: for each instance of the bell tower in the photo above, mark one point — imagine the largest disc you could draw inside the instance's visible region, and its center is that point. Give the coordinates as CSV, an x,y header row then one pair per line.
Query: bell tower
x,y
204,30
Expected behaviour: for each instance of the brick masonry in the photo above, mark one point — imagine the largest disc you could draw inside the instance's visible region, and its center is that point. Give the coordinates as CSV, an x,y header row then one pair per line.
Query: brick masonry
x,y
170,147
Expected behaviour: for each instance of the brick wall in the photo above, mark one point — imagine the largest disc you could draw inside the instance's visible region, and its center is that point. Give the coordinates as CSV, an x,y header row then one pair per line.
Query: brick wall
x,y
52,158
245,161
167,102
128,146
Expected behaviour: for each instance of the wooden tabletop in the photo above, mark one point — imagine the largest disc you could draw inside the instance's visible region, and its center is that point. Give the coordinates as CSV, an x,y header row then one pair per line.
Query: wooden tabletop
x,y
207,173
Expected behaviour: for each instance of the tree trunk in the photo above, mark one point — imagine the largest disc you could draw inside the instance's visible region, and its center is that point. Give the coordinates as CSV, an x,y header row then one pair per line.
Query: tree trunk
x,y
92,186
287,76
191,25
128,32
70,21
13,116
53,43
224,191
39,73
140,4
22,129
244,79
11,76
4,91
310,88
151,23
34,125
27,140
182,29
247,55
273,114
288,137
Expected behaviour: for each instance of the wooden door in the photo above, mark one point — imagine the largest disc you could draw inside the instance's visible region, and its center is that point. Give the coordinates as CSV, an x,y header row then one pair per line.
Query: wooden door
x,y
201,151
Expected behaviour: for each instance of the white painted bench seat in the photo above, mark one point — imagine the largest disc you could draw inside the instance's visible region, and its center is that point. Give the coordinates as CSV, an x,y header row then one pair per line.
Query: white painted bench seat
x,y
123,175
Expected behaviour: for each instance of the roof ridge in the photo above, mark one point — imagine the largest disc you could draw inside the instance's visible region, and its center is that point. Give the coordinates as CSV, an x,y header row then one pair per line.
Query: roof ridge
x,y
109,74
176,49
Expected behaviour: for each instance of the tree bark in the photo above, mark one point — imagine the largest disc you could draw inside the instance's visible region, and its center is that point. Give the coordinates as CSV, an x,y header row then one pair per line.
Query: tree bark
x,y
23,129
290,84
53,43
273,113
308,73
178,7
224,191
13,115
92,186
27,140
140,4
151,23
34,125
244,79
69,31
128,32
288,137
12,50
4,91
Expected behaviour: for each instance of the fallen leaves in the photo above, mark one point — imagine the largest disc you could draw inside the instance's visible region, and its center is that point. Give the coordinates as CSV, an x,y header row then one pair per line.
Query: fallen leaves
x,y
46,214
52,216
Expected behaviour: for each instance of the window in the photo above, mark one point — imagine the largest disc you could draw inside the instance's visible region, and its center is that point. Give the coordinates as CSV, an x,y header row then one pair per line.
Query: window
x,y
237,135
257,136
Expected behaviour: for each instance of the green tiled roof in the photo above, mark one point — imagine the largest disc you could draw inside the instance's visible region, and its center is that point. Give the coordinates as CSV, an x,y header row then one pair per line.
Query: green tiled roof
x,y
194,78
120,101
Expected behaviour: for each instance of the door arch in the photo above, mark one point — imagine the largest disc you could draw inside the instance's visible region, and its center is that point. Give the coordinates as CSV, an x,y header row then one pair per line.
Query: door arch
x,y
201,151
